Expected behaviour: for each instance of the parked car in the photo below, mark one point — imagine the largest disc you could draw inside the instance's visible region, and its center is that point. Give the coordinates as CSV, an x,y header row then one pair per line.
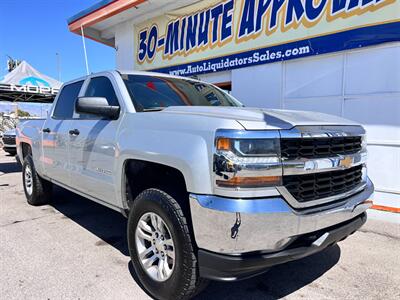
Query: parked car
x,y
9,144
211,189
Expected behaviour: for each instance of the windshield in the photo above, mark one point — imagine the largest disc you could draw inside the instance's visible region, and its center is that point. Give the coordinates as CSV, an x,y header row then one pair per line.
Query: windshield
x,y
151,93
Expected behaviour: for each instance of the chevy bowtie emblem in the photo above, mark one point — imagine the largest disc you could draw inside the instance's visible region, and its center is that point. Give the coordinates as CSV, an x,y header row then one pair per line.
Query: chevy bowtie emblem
x,y
346,162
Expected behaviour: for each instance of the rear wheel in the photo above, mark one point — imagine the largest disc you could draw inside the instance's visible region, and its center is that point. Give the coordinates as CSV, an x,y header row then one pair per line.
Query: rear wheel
x,y
37,190
161,248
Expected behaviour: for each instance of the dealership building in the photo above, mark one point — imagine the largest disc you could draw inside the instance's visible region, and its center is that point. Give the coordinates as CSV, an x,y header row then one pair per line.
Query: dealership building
x,y
340,57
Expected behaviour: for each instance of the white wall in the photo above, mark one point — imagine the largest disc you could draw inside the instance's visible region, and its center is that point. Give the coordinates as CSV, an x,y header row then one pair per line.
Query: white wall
x,y
260,84
125,44
362,84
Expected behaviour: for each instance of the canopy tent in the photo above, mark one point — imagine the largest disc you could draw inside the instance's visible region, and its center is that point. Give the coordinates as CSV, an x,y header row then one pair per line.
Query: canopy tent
x,y
26,84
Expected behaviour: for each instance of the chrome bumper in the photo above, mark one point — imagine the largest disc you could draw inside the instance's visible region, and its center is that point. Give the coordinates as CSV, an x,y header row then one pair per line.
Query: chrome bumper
x,y
236,226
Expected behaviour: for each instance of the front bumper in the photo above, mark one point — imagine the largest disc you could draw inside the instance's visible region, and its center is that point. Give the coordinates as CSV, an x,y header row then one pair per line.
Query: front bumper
x,y
239,226
227,267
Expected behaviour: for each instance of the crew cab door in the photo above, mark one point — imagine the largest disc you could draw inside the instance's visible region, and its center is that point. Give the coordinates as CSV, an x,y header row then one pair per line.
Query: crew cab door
x,y
93,148
55,134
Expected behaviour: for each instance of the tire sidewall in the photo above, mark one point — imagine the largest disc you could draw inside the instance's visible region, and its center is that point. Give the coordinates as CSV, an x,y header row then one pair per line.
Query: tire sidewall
x,y
171,288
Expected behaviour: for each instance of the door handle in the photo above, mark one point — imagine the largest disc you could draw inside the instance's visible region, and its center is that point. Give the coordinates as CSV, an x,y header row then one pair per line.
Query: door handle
x,y
46,130
74,132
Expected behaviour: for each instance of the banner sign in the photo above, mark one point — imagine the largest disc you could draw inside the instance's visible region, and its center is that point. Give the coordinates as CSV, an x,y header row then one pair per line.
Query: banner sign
x,y
211,36
30,89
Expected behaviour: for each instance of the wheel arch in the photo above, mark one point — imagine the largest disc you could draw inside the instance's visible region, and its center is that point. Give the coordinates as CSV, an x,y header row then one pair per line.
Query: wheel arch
x,y
139,175
25,149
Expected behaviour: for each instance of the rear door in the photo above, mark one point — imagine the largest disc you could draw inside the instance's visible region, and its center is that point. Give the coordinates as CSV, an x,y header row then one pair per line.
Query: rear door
x,y
55,135
93,150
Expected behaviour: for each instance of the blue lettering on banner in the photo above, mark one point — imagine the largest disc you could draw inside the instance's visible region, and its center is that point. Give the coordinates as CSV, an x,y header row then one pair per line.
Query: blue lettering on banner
x,y
341,41
218,25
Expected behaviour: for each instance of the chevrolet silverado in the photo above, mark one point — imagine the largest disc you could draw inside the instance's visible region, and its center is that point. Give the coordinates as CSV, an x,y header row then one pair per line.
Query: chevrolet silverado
x,y
211,189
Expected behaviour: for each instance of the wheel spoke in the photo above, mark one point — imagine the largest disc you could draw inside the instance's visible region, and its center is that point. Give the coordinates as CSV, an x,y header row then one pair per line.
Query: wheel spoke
x,y
171,254
154,221
169,242
166,268
160,270
143,254
149,262
145,227
143,234
159,224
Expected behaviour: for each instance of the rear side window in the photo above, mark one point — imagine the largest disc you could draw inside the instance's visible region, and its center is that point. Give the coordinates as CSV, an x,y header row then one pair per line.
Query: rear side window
x,y
66,100
102,87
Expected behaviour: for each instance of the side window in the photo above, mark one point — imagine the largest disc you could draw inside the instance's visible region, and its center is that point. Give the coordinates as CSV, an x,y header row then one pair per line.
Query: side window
x,y
66,100
102,87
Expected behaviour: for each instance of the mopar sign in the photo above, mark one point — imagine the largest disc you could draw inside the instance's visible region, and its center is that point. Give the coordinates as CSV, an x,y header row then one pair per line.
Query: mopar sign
x,y
31,89
32,85
213,35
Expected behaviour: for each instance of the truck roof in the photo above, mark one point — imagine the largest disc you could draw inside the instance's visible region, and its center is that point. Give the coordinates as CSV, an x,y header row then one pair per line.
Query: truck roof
x,y
130,72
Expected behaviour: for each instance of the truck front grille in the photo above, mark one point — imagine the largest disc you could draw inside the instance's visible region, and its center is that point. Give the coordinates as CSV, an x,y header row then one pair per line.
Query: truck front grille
x,y
295,148
311,187
9,140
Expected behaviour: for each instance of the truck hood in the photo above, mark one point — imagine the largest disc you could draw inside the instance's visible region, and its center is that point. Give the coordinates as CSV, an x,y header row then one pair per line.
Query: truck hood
x,y
259,119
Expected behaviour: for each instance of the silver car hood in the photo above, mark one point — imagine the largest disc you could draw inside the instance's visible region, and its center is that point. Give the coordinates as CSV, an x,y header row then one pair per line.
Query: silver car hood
x,y
258,119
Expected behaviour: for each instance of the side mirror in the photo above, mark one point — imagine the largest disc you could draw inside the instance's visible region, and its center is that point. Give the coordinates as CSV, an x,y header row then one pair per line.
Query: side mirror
x,y
96,106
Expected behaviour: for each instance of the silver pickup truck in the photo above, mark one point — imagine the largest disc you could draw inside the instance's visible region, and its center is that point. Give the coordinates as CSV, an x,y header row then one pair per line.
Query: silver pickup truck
x,y
211,189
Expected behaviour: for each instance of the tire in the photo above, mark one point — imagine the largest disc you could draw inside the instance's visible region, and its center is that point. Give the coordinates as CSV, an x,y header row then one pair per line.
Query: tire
x,y
37,190
184,281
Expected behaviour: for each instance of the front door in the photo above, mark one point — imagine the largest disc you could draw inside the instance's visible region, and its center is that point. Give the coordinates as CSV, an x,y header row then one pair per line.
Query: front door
x,y
93,147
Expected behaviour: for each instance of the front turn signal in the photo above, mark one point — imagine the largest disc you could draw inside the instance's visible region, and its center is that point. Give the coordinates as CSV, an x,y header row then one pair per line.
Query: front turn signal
x,y
250,182
223,144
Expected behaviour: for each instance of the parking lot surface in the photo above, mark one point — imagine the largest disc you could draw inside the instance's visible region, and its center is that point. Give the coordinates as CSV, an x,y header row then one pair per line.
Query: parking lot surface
x,y
76,249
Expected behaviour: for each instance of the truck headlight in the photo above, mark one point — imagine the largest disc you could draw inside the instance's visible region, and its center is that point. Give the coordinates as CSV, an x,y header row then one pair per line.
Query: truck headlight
x,y
249,147
247,162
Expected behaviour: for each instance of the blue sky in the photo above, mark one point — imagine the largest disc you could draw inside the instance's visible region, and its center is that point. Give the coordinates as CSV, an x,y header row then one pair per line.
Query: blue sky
x,y
35,30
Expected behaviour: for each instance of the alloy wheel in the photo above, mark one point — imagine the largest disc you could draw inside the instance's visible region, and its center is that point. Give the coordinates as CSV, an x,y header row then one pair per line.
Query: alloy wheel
x,y
155,246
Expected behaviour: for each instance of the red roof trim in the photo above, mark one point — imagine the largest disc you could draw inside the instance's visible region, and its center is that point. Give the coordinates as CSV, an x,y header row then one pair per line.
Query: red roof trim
x,y
102,14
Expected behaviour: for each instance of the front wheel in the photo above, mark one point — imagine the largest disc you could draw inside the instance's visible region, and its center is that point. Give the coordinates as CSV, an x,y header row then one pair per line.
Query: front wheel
x,y
161,248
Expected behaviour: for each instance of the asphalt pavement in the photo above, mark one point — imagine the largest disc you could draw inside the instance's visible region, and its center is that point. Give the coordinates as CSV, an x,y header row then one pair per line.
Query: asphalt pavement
x,y
76,249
